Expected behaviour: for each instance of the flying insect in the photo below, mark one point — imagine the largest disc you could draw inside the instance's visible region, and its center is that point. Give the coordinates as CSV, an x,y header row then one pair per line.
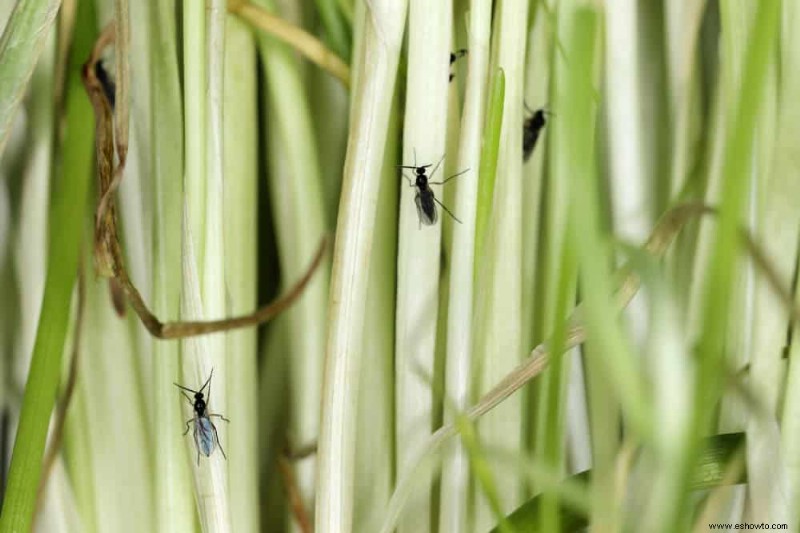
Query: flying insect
x,y
531,129
206,438
425,199
106,81
454,56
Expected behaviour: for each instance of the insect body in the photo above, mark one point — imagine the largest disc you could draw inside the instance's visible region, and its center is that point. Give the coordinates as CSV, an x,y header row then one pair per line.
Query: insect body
x,y
425,199
531,129
205,433
455,56
106,81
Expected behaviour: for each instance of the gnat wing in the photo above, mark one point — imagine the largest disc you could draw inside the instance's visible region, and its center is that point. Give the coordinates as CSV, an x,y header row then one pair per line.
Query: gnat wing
x,y
426,209
204,436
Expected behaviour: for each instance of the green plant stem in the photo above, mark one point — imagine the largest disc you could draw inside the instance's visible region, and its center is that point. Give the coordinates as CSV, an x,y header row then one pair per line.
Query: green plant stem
x,y
489,154
335,26
723,265
554,397
500,279
69,201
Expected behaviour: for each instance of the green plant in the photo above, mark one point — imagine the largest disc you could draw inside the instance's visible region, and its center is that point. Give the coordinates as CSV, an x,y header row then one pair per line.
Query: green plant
x,y
389,395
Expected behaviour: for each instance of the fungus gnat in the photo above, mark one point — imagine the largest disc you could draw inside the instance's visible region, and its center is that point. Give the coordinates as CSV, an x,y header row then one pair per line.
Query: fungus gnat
x,y
425,199
106,81
531,129
205,432
454,56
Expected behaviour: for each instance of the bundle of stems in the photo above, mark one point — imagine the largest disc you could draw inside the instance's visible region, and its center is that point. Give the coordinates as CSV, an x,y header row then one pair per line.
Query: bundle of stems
x,y
414,265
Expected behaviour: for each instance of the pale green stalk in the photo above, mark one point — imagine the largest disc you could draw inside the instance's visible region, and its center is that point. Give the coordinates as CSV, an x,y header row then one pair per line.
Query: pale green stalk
x,y
548,395
136,187
79,458
500,349
375,457
125,55
121,473
136,190
683,19
537,83
458,379
129,434
213,272
299,215
199,356
776,229
787,143
30,246
21,44
105,16
628,183
26,237
372,95
329,102
203,256
733,33
671,366
173,499
194,91
736,20
241,173
654,106
273,414
418,254
5,14
59,512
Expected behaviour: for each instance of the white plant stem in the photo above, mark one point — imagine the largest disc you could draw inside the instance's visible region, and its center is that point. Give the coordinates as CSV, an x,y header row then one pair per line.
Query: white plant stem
x,y
787,165
375,438
115,419
241,174
458,376
383,31
418,255
173,491
203,257
200,356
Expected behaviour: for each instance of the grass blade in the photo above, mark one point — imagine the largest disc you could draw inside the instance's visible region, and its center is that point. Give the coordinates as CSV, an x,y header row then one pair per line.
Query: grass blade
x,y
69,202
